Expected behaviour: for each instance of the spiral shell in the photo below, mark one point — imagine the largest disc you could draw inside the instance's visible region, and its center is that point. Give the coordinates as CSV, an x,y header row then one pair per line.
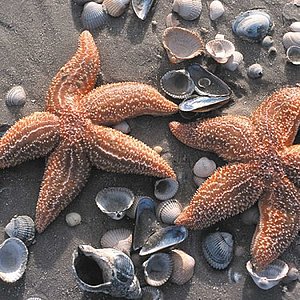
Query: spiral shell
x,y
267,42
216,10
204,167
291,39
115,8
16,96
255,71
165,188
168,211
220,50
93,15
188,9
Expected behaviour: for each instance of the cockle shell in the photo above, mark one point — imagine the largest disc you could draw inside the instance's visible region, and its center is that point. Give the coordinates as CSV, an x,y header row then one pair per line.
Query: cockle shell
x,y
13,259
220,50
93,15
115,8
270,276
168,211
152,293
234,61
141,8
291,39
293,55
73,219
165,188
182,44
216,10
16,96
158,269
188,9
295,26
183,267
255,71
204,167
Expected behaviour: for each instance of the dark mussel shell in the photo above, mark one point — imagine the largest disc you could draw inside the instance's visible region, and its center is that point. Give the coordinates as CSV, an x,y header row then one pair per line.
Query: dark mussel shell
x,y
141,8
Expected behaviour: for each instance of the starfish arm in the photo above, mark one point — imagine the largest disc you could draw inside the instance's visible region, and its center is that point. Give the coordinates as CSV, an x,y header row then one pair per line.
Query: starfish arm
x,y
278,117
113,151
231,137
31,137
66,173
76,78
279,223
229,191
112,103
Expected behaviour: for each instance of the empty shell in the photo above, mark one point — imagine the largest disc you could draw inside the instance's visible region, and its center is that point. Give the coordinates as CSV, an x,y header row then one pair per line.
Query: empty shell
x,y
115,8
141,8
234,61
168,211
291,39
216,10
220,50
93,15
165,188
188,9
255,71
73,219
204,167
293,55
16,96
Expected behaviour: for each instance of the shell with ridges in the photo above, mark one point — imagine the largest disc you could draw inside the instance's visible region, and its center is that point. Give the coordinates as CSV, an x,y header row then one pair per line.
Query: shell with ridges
x,y
188,9
291,39
165,188
216,10
152,293
293,55
168,211
16,96
115,8
220,50
93,15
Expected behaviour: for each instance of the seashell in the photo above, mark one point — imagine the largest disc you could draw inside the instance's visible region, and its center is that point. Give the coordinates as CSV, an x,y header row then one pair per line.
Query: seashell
x,y
82,2
93,15
168,211
152,293
73,219
21,227
267,41
16,96
141,8
172,20
234,61
114,201
183,267
293,55
218,249
164,238
182,44
3,128
158,269
123,127
255,71
165,188
13,259
250,216
234,277
158,149
115,8
107,271
198,180
252,25
295,26
119,239
291,39
188,9
204,167
219,36
270,276
272,51
216,10
177,84
220,50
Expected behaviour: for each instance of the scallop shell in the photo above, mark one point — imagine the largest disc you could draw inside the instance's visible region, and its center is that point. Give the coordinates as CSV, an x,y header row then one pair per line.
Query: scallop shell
x,y
182,44
177,84
220,50
188,9
93,16
13,259
152,293
293,55
183,267
141,8
115,8
158,269
218,249
270,276
216,10
21,227
234,61
168,211
204,167
291,39
255,71
165,188
73,219
16,96
295,26
119,239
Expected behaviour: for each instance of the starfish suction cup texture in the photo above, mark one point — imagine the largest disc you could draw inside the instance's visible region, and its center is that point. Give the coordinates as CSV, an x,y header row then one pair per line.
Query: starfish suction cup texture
x,y
263,166
72,130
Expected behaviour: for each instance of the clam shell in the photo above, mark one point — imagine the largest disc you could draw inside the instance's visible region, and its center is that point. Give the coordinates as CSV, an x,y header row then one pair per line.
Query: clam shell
x,y
152,293
291,39
165,188
218,249
115,8
13,259
204,167
220,50
216,10
21,227
270,276
114,201
182,44
234,61
295,26
183,267
255,71
177,84
16,96
158,269
93,15
188,9
252,25
73,219
119,239
168,211
141,8
293,55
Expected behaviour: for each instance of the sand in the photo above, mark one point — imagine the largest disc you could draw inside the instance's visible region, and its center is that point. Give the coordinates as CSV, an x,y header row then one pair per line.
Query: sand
x,y
37,38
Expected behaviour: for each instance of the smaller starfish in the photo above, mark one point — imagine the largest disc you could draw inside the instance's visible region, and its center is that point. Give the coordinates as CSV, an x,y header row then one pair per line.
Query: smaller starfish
x,y
264,167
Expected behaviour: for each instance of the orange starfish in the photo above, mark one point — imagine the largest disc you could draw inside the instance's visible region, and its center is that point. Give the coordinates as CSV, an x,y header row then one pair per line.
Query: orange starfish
x,y
71,128
264,166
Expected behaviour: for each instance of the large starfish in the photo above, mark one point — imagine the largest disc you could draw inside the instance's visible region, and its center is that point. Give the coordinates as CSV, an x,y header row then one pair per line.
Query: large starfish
x,y
264,166
72,129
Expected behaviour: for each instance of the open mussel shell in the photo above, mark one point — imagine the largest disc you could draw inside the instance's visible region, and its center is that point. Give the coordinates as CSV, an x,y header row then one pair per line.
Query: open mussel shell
x,y
152,293
188,9
252,25
114,201
168,211
293,55
270,276
21,227
107,271
164,238
177,84
16,96
141,8
218,249
13,259
93,16
165,188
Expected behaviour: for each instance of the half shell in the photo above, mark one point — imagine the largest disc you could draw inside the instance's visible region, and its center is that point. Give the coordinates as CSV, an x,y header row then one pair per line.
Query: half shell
x,y
165,188
115,8
291,39
188,9
216,10
93,15
168,211
220,50
141,8
293,55
16,96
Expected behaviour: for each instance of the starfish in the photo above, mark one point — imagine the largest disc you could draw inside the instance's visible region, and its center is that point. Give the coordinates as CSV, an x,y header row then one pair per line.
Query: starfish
x,y
264,166
73,129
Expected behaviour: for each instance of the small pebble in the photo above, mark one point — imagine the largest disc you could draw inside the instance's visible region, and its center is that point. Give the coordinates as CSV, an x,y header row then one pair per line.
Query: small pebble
x,y
204,167
73,219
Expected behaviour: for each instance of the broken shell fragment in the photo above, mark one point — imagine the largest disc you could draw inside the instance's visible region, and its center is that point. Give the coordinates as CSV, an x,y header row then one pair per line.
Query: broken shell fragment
x,y
291,39
216,10
73,219
172,20
182,44
165,188
115,8
220,50
152,293
234,61
93,15
293,55
270,276
255,71
204,167
16,96
141,8
168,211
188,9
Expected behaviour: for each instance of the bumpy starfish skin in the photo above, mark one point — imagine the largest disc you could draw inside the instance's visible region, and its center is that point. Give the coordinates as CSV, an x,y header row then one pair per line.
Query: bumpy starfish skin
x,y
264,166
76,144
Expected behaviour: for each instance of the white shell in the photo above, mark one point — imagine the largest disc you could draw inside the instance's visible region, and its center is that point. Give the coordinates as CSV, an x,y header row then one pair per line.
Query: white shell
x,y
204,167
115,8
220,50
165,188
73,219
255,71
93,15
168,211
293,55
188,9
234,61
295,26
291,39
123,127
16,96
216,10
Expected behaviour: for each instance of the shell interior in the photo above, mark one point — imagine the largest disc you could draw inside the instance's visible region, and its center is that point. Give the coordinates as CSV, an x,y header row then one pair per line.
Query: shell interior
x,y
165,188
220,49
293,55
141,8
